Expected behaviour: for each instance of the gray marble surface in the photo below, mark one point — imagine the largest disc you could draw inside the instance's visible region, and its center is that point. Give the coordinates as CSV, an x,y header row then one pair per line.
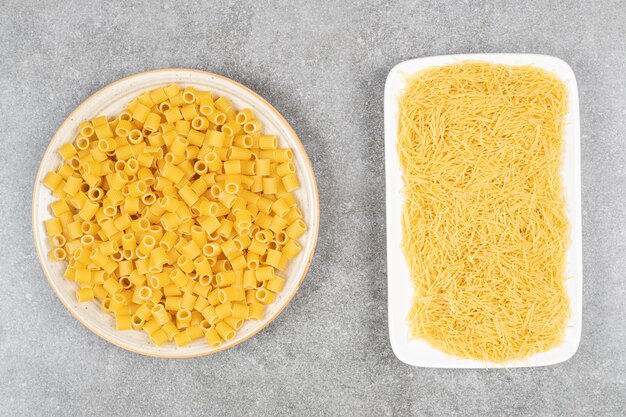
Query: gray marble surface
x,y
323,66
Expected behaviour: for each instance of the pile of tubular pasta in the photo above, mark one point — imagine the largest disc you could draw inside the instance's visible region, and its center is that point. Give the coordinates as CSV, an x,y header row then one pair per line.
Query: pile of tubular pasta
x,y
176,215
484,224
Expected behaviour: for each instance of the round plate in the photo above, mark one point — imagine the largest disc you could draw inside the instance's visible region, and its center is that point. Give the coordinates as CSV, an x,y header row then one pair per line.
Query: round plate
x,y
110,101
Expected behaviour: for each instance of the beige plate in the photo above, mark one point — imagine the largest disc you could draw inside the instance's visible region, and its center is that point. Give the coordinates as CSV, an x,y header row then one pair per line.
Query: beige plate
x,y
110,101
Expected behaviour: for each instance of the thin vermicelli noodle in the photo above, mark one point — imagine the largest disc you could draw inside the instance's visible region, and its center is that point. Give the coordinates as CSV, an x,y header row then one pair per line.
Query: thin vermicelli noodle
x,y
484,224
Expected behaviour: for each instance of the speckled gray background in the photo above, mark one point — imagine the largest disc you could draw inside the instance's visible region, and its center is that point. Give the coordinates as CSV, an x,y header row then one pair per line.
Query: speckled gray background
x,y
323,66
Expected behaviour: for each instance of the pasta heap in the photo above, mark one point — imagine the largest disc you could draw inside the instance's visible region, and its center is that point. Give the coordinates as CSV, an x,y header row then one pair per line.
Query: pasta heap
x,y
484,225
176,215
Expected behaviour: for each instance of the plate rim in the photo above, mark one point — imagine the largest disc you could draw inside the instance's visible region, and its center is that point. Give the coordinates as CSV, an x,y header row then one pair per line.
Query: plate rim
x,y
390,131
315,220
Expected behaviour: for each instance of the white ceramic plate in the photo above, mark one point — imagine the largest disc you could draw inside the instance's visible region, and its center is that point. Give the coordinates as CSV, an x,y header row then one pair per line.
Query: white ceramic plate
x,y
110,101
419,353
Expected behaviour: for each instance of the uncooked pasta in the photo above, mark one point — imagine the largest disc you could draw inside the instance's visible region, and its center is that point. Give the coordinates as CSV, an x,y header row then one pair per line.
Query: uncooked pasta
x,y
484,226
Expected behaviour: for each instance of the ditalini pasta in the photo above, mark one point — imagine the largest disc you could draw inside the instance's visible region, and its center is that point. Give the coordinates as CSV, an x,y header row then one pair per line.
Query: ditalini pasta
x,y
176,215
484,225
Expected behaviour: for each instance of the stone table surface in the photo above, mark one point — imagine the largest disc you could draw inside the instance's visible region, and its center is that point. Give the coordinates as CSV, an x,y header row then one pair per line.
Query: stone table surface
x,y
323,66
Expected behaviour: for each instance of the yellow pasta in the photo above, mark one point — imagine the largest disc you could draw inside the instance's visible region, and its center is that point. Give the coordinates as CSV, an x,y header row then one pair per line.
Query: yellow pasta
x,y
123,322
175,215
484,225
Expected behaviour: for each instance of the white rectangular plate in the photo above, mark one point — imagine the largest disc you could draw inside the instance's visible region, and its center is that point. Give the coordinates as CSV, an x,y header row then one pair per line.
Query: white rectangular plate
x,y
400,296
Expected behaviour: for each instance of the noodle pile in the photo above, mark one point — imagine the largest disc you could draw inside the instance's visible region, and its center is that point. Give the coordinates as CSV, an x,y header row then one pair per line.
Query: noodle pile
x,y
484,225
